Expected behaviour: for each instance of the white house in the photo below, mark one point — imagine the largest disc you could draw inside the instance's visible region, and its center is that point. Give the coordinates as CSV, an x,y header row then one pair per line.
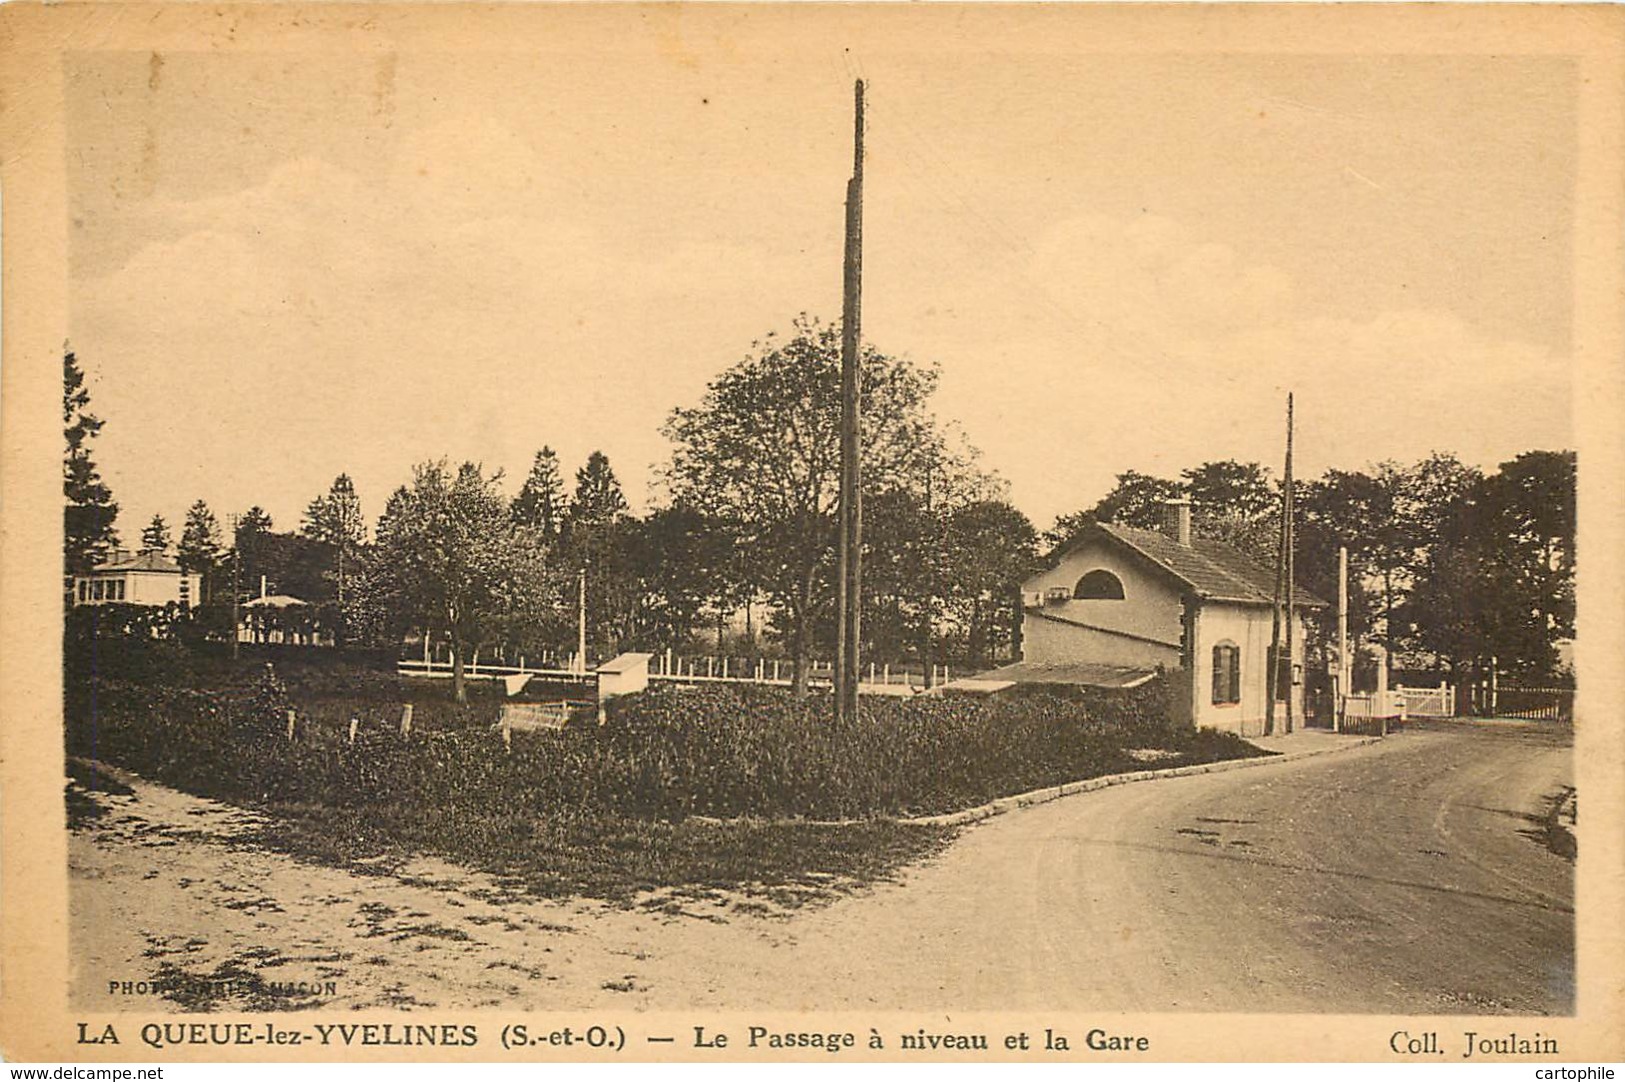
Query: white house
x,y
1120,602
148,578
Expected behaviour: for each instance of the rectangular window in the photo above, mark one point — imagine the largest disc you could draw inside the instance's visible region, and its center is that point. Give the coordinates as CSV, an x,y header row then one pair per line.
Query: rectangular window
x,y
118,590
1226,674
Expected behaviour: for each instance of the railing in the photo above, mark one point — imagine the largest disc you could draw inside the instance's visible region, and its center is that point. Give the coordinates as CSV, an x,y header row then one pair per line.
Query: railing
x,y
708,669
474,670
1370,706
1373,715
1437,702
877,679
1534,704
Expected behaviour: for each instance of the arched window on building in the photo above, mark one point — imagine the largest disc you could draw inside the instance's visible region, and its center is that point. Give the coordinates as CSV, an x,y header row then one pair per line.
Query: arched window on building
x,y
1099,584
1226,673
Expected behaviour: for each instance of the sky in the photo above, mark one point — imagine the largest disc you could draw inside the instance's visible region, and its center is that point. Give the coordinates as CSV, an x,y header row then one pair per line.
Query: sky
x,y
288,265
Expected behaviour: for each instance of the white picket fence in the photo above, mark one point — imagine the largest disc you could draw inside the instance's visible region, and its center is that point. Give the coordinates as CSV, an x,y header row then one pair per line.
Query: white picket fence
x,y
877,680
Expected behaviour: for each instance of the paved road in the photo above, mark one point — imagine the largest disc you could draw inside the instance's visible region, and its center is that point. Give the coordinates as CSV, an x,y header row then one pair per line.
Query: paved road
x,y
1410,876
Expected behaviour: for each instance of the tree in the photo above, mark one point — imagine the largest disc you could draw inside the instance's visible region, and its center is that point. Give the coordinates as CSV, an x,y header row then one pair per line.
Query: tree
x,y
254,520
1135,500
990,548
155,535
334,519
540,503
1344,508
1497,580
1533,498
1233,502
598,498
925,578
1419,509
600,539
449,557
200,544
681,564
1237,503
904,578
250,543
89,513
761,453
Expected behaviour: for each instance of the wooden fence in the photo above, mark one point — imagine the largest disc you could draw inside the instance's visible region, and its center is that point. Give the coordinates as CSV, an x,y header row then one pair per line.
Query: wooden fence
x,y
877,680
1534,704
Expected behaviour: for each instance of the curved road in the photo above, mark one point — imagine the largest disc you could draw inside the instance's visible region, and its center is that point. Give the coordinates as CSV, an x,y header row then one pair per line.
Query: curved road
x,y
1413,876
1410,876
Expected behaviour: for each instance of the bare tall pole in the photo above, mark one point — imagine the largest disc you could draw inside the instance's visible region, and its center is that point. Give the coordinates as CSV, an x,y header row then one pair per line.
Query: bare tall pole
x,y
850,545
1272,677
1291,569
581,619
234,522
1343,666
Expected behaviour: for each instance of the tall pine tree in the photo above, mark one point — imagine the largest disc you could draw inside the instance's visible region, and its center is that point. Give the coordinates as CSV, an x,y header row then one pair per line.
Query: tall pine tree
x,y
335,519
540,503
598,498
200,548
88,536
155,536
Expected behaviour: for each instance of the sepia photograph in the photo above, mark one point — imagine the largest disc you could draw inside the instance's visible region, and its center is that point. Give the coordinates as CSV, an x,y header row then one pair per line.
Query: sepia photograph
x,y
716,520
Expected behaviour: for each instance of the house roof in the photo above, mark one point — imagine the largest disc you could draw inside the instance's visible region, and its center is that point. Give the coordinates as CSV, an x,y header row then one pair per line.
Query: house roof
x,y
1212,570
145,561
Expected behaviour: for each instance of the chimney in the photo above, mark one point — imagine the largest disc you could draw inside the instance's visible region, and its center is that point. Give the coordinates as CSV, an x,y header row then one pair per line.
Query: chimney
x,y
1176,520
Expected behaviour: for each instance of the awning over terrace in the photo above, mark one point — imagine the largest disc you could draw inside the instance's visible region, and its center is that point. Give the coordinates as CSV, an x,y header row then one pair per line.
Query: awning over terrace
x,y
1087,674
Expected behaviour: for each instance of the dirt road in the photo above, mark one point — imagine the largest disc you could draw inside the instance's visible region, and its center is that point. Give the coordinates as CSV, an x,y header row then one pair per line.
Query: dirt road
x,y
1419,875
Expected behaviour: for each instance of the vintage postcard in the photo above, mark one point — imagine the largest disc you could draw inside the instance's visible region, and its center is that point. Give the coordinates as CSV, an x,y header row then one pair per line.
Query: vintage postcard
x,y
1021,533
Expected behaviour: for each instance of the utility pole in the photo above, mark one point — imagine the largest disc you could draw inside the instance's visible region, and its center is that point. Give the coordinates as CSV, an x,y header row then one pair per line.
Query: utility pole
x,y
236,586
1344,668
928,632
850,545
581,619
1272,678
1291,569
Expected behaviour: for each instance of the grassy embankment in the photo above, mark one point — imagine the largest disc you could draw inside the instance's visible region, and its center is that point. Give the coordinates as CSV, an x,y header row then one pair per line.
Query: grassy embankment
x,y
605,811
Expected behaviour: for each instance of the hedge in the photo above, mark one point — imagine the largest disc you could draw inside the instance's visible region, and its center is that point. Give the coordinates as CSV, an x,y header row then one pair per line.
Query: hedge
x,y
667,753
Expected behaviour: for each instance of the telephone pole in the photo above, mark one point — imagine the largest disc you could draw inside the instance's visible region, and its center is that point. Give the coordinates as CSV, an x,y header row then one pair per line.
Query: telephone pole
x,y
1344,668
581,619
233,521
850,544
1272,677
1291,539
